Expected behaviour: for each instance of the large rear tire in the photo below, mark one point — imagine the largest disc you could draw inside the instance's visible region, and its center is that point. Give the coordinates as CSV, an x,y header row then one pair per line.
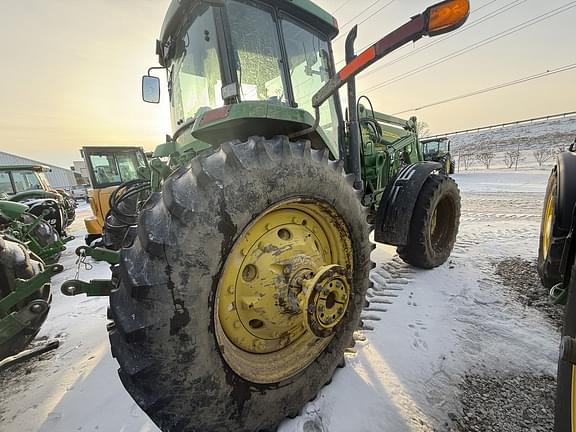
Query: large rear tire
x,y
434,224
566,383
551,243
16,262
191,282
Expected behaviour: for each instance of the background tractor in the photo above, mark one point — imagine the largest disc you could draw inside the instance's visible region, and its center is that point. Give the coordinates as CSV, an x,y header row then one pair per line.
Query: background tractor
x,y
109,168
238,289
38,235
25,295
28,185
557,269
438,150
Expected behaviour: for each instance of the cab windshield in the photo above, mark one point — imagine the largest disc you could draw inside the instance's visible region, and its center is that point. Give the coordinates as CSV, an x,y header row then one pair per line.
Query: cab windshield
x,y
195,81
26,181
432,148
116,168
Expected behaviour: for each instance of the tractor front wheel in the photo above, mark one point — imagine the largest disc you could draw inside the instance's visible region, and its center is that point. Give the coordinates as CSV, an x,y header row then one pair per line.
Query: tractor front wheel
x,y
243,287
434,224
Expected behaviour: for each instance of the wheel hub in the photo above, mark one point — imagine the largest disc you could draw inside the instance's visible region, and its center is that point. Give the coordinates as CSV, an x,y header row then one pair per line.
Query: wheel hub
x,y
285,287
327,298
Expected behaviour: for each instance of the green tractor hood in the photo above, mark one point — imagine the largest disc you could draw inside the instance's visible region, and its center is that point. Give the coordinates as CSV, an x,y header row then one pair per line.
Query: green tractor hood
x,y
12,210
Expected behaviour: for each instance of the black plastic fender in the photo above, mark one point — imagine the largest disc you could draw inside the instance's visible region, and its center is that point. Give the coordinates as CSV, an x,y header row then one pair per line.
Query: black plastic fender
x,y
566,191
394,215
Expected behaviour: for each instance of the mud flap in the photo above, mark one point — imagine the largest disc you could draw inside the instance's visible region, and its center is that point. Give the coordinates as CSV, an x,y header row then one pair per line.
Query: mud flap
x,y
392,224
566,190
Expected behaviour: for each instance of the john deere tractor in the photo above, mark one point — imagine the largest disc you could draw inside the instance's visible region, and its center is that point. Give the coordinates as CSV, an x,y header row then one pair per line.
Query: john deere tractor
x,y
27,184
25,295
37,234
240,285
438,150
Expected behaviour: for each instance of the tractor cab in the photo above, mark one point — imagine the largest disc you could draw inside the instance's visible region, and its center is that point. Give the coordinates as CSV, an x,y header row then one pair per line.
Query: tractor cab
x,y
240,68
438,150
108,168
435,148
17,179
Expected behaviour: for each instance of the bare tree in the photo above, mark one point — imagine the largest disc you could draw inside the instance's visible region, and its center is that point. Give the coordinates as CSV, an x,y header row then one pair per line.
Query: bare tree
x,y
423,129
543,155
467,159
512,158
486,158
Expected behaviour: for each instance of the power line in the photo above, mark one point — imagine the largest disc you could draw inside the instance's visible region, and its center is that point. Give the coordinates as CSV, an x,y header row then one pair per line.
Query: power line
x,y
467,26
369,17
494,88
476,45
339,8
481,20
356,16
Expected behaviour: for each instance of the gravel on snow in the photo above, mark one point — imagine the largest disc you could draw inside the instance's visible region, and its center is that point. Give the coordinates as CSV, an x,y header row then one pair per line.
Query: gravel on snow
x,y
522,277
507,403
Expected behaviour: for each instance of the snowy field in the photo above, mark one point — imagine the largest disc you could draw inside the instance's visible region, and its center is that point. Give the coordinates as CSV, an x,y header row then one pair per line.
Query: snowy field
x,y
423,331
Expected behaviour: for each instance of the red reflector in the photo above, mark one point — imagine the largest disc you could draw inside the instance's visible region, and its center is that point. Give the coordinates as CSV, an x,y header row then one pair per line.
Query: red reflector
x,y
357,63
215,114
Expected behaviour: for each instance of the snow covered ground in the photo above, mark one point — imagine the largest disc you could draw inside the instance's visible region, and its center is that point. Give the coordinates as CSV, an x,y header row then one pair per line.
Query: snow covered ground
x,y
422,332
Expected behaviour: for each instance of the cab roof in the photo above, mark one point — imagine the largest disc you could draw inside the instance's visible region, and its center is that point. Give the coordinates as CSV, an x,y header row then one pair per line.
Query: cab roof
x,y
38,168
305,10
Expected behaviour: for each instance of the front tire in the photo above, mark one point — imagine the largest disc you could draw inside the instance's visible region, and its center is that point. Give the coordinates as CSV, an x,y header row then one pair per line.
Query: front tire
x,y
434,224
189,367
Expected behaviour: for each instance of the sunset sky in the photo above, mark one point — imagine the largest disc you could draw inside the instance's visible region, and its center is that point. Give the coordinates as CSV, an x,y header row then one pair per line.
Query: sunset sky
x,y
71,70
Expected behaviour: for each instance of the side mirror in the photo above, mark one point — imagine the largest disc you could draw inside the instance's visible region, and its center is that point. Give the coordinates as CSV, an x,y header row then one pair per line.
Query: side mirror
x,y
151,89
446,16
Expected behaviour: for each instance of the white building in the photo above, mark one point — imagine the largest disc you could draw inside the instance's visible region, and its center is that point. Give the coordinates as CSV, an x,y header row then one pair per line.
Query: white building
x,y
59,178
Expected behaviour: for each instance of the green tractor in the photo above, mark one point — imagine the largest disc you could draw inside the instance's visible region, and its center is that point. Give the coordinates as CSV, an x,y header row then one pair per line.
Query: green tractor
x,y
238,289
25,295
27,184
557,270
40,237
438,150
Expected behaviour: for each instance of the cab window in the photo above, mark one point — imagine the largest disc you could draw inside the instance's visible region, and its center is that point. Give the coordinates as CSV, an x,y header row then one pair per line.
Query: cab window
x,y
26,181
5,183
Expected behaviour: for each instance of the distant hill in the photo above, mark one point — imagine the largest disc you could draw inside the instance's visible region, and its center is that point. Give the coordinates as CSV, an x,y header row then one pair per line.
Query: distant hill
x,y
530,136
549,136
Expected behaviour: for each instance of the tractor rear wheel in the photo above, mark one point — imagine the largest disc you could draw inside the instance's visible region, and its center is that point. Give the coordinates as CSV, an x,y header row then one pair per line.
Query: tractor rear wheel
x,y
551,245
16,262
565,418
243,287
434,224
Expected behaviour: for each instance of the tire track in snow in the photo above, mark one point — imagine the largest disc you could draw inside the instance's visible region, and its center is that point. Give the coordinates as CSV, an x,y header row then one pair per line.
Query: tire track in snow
x,y
389,281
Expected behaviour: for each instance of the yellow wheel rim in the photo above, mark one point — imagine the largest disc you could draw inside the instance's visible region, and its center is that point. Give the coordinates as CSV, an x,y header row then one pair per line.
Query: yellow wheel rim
x,y
284,290
547,224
